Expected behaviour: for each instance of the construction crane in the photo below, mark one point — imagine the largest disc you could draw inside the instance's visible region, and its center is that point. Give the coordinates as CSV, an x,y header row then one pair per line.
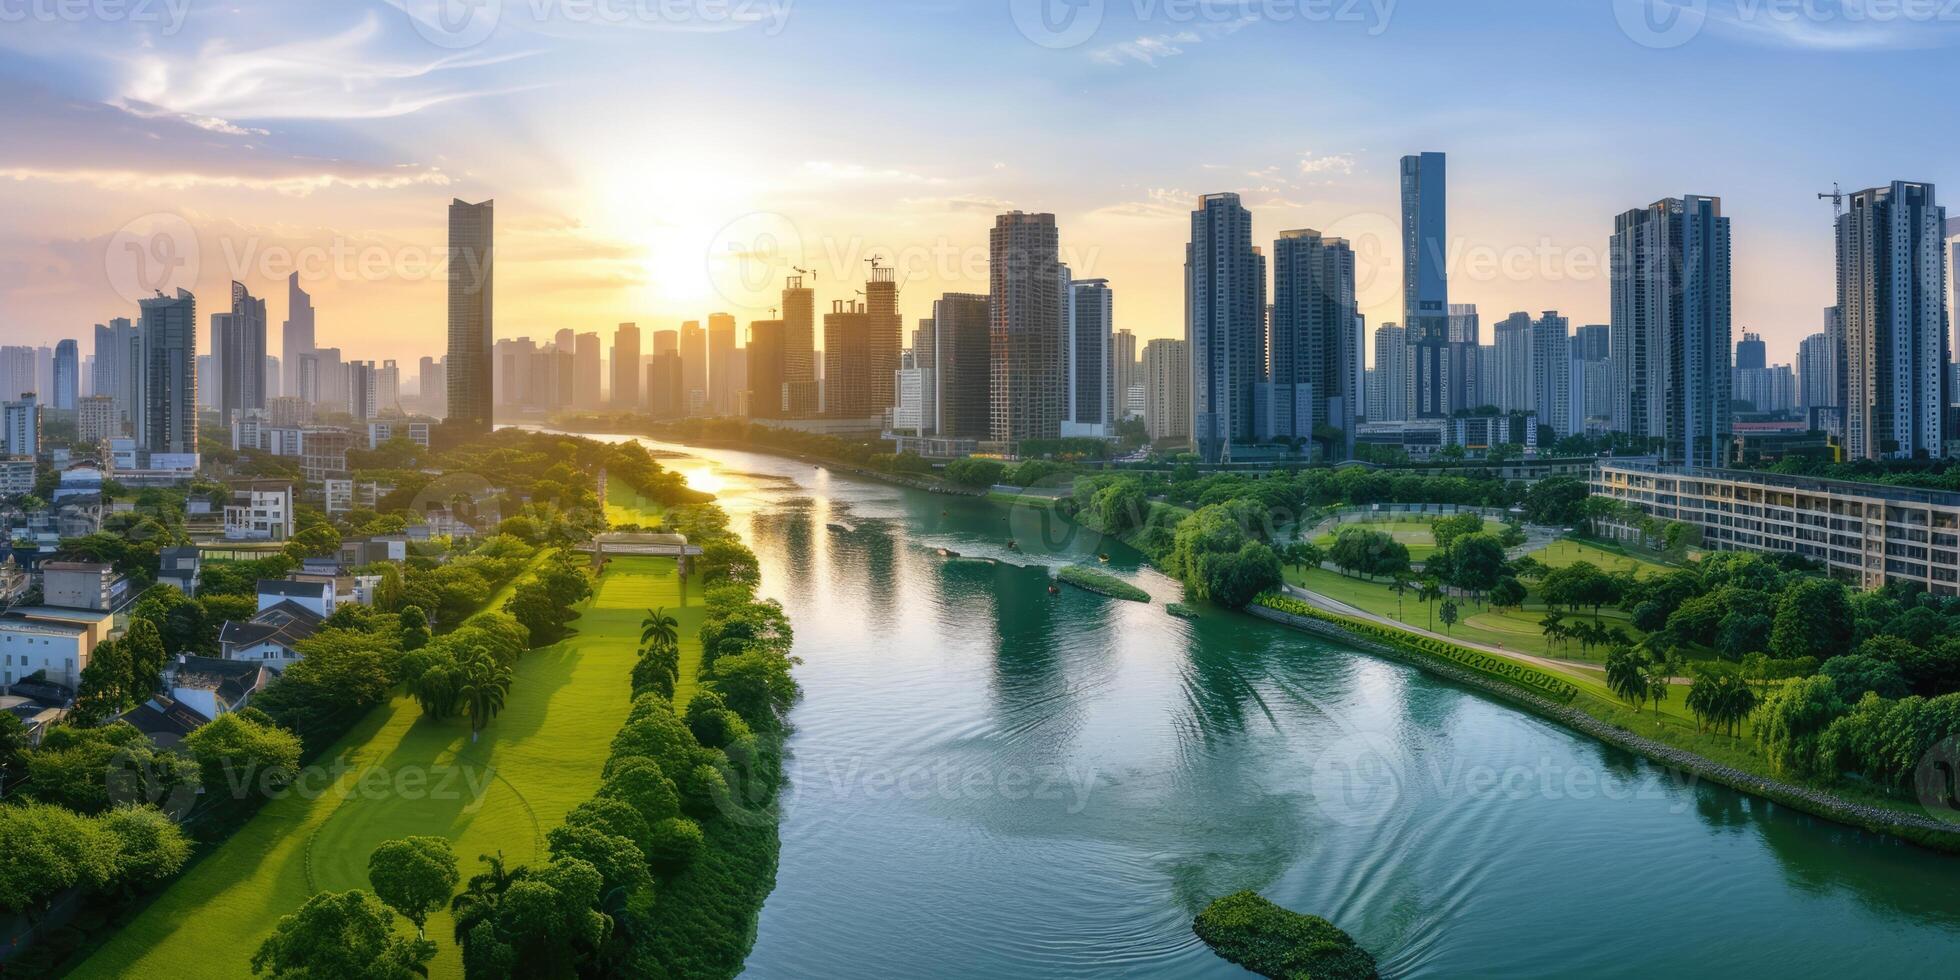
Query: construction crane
x,y
812,273
1836,197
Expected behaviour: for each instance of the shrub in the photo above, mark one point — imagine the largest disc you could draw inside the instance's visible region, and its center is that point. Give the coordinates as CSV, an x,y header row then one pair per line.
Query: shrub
x,y
1276,942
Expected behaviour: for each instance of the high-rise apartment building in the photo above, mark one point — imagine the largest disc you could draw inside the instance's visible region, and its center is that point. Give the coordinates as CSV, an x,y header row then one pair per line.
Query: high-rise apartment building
x,y
1592,347
1466,343
472,325
1425,284
886,331
626,368
799,398
118,368
848,391
1551,372
1512,342
1817,372
1391,390
1167,390
1225,323
694,368
1314,343
168,423
1891,292
1091,397
1026,309
962,365
1670,331
722,397
240,353
588,368
1124,370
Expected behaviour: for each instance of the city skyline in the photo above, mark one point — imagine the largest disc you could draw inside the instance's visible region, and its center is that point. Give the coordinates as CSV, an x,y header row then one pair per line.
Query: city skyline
x,y
250,178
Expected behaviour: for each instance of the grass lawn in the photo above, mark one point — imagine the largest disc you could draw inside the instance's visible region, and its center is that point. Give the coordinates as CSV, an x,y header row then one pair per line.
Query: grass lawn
x,y
1421,541
624,505
398,774
1559,554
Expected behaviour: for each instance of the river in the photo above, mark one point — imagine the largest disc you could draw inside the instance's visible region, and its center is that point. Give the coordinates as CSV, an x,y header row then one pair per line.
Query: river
x,y
987,780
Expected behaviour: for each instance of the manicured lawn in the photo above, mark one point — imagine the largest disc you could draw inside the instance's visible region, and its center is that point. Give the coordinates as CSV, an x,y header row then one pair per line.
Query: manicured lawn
x,y
1559,554
1421,541
624,505
399,774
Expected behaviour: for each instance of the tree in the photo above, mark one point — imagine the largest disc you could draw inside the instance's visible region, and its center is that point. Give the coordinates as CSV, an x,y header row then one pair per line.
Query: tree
x,y
1508,593
975,472
1859,672
150,846
1448,614
414,628
1476,563
1446,530
1792,720
1626,677
481,685
14,744
315,541
341,934
1218,559
1813,619
1430,591
413,876
1720,698
659,629
235,751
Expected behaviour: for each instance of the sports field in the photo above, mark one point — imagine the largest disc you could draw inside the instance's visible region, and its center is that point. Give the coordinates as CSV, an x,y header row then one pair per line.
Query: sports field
x,y
399,773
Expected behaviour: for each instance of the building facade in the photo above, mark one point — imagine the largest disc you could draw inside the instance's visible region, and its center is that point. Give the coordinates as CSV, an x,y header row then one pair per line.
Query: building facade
x,y
1026,309
1891,301
1425,284
472,321
1671,327
1224,323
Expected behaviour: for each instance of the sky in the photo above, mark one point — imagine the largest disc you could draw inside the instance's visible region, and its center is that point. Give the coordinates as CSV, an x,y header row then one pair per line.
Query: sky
x,y
657,160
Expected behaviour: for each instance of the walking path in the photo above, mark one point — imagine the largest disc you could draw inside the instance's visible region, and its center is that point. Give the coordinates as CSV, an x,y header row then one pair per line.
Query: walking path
x,y
1342,608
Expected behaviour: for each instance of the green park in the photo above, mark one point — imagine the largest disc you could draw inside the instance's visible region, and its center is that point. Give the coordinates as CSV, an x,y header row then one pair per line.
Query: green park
x,y
400,773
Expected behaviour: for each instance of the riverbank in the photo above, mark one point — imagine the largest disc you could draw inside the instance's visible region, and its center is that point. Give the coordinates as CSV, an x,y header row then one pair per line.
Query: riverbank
x,y
843,466
1922,830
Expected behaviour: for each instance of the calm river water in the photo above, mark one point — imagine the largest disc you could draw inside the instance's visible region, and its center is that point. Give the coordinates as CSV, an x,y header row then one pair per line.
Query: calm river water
x,y
991,781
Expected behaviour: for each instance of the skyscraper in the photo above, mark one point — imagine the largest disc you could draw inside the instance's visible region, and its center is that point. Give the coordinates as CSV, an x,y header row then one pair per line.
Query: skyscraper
x,y
626,368
118,368
1891,291
20,426
472,327
765,357
1670,332
1225,322
1466,340
694,368
1817,372
587,370
1425,284
886,328
240,337
848,391
1551,372
799,349
722,399
1313,342
296,335
1512,342
1391,375
1751,353
1026,310
962,365
169,415
1167,390
1124,372
1592,346
67,375
1091,398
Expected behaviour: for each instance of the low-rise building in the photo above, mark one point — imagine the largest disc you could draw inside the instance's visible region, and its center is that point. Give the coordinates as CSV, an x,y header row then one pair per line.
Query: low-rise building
x,y
271,636
316,596
260,511
181,567
16,476
346,494
384,430
54,642
94,586
1867,533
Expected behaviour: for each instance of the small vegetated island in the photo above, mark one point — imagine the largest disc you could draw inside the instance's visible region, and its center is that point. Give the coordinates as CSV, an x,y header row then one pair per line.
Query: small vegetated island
x,y
1102,583
1279,943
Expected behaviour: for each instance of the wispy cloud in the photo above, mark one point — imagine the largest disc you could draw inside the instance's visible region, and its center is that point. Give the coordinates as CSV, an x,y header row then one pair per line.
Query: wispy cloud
x,y
1154,48
1831,25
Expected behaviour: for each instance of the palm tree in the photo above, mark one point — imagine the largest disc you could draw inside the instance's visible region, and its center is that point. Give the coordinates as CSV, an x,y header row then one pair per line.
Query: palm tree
x,y
1660,676
1431,591
1721,698
1626,677
479,897
1400,586
481,684
659,629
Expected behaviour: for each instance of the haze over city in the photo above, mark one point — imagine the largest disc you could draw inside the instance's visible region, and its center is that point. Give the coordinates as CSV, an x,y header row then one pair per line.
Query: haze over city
x,y
636,151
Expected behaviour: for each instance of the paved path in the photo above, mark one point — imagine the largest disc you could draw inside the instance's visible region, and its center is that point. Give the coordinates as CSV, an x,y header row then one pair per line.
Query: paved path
x,y
1581,670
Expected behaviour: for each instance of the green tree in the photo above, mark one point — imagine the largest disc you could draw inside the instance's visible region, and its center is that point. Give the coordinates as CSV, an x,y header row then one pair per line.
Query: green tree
x,y
481,685
341,934
976,473
413,876
1859,672
1720,698
235,752
1813,619
1792,720
659,629
1626,676
414,628
1447,614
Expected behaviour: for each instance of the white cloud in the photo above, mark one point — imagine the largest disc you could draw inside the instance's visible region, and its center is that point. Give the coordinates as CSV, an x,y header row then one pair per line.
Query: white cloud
x,y
1331,163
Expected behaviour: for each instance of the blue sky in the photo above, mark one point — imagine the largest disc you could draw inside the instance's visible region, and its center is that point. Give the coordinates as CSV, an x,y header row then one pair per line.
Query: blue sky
x,y
677,157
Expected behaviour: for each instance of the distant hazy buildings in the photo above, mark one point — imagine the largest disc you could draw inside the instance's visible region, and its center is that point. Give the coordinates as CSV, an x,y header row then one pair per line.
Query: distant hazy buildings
x,y
472,327
1817,372
722,397
1225,304
1425,284
1388,401
1670,329
241,353
847,363
1025,309
1891,276
67,375
1465,373
297,337
1551,372
626,368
